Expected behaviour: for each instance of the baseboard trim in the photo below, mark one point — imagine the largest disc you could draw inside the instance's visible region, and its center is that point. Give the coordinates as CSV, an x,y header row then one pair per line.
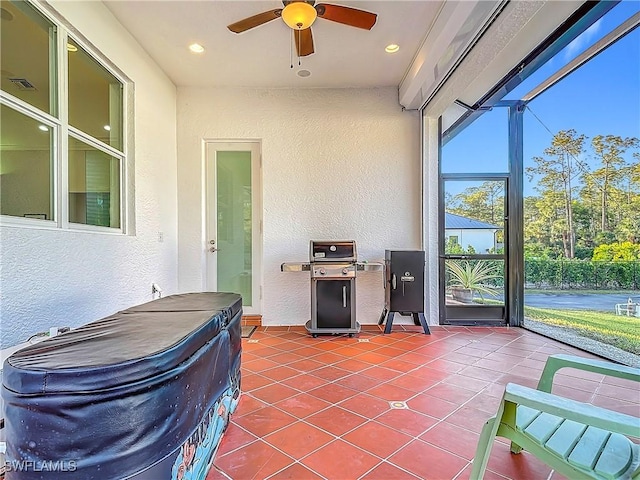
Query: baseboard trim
x,y
252,320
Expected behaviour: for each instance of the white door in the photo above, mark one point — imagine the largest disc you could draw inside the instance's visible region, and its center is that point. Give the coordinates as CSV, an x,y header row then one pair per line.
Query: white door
x,y
234,221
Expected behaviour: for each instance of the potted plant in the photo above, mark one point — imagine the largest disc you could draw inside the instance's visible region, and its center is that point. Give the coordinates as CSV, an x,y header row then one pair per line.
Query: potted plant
x,y
467,278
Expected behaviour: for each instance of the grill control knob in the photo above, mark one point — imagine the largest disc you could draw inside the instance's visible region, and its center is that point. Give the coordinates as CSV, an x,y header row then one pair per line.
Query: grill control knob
x,y
345,271
322,271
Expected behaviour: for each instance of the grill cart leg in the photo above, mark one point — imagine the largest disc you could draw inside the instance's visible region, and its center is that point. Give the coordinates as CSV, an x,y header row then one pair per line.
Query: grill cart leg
x,y
382,316
418,319
387,327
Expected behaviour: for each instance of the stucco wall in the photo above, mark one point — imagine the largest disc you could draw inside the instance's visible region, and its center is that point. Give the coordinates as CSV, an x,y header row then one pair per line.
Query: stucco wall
x,y
51,277
337,164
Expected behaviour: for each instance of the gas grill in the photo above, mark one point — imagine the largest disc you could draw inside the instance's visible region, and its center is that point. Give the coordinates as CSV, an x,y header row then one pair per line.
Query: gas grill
x,y
333,287
332,265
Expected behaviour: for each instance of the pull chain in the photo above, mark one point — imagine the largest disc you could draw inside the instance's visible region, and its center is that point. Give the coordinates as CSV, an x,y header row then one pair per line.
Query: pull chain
x,y
291,49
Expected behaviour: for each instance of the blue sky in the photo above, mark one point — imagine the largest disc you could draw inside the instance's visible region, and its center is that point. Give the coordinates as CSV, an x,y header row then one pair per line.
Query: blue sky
x,y
601,97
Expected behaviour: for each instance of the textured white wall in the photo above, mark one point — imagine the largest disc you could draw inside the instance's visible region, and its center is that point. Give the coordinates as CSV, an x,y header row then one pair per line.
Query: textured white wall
x,y
55,277
337,164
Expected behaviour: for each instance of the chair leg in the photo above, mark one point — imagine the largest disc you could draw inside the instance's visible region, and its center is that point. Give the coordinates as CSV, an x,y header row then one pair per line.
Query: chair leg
x,y
485,443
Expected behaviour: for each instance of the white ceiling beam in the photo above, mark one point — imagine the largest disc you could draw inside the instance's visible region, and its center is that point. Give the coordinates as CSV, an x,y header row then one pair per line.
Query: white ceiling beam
x,y
452,32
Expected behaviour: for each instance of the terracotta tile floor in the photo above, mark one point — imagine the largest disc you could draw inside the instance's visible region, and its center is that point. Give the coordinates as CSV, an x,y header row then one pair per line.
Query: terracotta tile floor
x,y
323,408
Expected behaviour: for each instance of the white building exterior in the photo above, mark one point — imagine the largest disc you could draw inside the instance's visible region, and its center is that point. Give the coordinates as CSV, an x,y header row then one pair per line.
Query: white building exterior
x,y
468,232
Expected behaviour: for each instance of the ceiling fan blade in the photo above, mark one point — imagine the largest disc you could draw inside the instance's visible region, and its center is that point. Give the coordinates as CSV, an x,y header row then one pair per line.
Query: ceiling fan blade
x,y
255,21
347,15
304,42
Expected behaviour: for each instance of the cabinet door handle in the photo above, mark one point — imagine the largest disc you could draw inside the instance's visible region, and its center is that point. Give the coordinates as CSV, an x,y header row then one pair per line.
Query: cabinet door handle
x,y
393,281
344,297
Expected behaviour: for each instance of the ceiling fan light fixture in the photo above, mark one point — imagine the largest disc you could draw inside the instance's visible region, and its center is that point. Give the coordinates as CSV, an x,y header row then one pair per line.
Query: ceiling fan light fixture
x,y
299,15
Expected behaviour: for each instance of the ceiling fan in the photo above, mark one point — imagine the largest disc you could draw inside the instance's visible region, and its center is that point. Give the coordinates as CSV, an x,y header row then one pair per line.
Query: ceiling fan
x,y
299,15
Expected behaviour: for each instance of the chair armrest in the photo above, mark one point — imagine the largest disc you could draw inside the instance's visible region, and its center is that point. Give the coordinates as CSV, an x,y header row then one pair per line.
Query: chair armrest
x,y
584,413
556,362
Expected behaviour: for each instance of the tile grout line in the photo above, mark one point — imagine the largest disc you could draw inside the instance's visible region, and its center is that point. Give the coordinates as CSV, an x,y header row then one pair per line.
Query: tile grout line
x,y
416,437
452,342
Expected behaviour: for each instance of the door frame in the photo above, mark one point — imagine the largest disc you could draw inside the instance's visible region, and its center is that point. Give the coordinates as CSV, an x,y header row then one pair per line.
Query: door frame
x,y
210,146
514,246
485,314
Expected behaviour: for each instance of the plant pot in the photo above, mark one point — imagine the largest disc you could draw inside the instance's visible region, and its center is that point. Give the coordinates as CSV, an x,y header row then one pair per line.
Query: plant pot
x,y
464,295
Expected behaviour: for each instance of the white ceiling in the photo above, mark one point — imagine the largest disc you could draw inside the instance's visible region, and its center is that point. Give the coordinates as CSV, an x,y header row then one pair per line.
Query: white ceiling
x,y
344,56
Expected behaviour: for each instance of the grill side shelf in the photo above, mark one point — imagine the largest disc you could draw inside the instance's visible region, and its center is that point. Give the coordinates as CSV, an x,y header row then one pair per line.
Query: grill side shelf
x,y
295,267
369,266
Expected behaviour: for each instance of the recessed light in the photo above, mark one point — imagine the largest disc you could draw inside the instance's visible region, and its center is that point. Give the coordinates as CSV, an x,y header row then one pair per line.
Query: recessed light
x,y
107,128
196,48
71,47
392,48
304,73
44,128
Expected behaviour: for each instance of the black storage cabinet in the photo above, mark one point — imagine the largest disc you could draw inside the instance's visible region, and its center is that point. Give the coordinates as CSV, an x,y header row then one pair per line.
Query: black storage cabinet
x,y
404,286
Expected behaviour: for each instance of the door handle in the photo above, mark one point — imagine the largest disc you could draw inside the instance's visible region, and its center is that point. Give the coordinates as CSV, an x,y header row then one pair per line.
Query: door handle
x,y
393,281
344,296
213,249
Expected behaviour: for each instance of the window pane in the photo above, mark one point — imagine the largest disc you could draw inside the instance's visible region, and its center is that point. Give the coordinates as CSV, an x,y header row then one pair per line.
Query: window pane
x,y
27,43
474,282
582,198
95,98
481,148
474,216
26,174
94,186
233,185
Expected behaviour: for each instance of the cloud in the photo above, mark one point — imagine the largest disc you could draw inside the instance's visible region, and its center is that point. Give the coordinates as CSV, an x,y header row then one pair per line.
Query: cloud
x,y
582,41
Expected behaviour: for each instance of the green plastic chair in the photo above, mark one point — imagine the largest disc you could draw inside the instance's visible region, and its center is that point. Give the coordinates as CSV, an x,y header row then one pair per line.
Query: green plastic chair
x,y
578,440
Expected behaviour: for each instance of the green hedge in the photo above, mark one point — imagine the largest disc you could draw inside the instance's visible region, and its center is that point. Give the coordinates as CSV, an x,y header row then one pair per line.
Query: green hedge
x,y
542,273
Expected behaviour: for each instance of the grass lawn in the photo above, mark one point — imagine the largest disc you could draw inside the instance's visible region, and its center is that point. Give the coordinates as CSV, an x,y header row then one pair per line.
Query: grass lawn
x,y
628,293
617,330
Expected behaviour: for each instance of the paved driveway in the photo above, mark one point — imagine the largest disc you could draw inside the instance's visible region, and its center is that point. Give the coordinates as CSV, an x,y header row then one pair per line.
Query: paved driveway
x,y
578,301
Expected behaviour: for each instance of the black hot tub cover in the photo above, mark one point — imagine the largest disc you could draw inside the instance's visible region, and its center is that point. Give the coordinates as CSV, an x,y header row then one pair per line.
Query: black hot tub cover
x,y
119,397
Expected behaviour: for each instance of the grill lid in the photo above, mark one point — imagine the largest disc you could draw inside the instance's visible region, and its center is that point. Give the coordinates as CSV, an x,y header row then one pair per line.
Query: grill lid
x,y
332,251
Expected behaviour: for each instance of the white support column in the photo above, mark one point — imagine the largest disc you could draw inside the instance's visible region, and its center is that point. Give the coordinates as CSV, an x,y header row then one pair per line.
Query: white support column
x,y
431,153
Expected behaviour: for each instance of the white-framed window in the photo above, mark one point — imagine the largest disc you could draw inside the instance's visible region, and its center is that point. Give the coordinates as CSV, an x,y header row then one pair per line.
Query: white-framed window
x,y
63,152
